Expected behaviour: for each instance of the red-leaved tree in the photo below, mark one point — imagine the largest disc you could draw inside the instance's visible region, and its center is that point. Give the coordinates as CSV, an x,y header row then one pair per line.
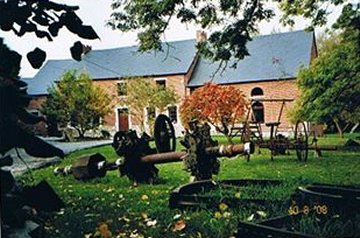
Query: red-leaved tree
x,y
221,106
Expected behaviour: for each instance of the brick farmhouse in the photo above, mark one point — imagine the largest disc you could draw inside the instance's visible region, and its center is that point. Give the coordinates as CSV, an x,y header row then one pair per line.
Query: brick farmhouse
x,y
269,72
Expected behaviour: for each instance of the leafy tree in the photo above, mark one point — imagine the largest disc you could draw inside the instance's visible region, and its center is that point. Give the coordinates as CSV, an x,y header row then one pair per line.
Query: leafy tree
x,y
75,100
23,17
236,20
13,100
317,11
330,87
221,106
144,93
44,19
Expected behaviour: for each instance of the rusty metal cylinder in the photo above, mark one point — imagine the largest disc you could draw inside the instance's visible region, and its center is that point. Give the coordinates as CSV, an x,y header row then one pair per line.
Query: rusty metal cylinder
x,y
222,150
161,158
88,167
232,150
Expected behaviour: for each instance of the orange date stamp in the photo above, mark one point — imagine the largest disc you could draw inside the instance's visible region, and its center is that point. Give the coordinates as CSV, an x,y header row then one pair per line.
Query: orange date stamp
x,y
319,209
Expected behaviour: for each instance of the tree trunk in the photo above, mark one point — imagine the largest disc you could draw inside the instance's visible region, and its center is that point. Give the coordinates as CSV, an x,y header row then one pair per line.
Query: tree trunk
x,y
338,127
81,133
354,127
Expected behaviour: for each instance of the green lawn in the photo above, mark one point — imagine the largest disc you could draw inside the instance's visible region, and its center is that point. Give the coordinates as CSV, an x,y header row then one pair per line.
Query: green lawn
x,y
111,204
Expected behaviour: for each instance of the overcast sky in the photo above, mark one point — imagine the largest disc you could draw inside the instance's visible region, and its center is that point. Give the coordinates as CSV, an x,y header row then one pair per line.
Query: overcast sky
x,y
95,14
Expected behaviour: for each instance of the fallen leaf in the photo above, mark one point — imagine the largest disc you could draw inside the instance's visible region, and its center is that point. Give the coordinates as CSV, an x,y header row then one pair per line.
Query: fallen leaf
x,y
144,215
217,215
88,235
250,218
261,213
226,214
237,195
223,206
151,223
121,235
144,197
124,218
109,190
135,234
61,212
104,230
179,225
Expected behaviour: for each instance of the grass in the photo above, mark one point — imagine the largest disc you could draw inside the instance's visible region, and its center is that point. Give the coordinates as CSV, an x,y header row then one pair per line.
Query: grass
x,y
97,207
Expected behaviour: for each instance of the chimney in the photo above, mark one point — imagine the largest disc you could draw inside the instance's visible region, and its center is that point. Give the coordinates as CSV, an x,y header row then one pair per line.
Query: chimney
x,y
86,49
200,36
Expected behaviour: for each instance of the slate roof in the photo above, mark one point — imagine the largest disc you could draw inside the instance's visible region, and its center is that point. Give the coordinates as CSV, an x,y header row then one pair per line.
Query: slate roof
x,y
176,58
276,56
46,76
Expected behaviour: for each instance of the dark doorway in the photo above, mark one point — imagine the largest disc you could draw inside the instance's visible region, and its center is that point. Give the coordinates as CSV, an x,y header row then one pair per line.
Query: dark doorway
x,y
123,119
258,112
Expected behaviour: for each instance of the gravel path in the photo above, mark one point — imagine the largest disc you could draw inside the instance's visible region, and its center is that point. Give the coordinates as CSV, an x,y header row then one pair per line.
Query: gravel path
x,y
19,166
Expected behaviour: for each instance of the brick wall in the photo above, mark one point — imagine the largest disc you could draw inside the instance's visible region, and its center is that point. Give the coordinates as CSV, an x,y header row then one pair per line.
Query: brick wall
x,y
35,104
176,82
276,89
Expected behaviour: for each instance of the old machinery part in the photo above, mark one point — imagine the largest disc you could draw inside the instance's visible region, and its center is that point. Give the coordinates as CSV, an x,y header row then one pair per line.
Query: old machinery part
x,y
139,159
325,201
222,150
301,141
278,145
254,230
164,134
202,152
328,198
200,164
189,195
89,167
129,146
205,150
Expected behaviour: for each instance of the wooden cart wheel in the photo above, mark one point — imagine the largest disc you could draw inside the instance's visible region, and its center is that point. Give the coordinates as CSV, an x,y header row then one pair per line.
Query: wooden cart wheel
x,y
301,141
164,134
